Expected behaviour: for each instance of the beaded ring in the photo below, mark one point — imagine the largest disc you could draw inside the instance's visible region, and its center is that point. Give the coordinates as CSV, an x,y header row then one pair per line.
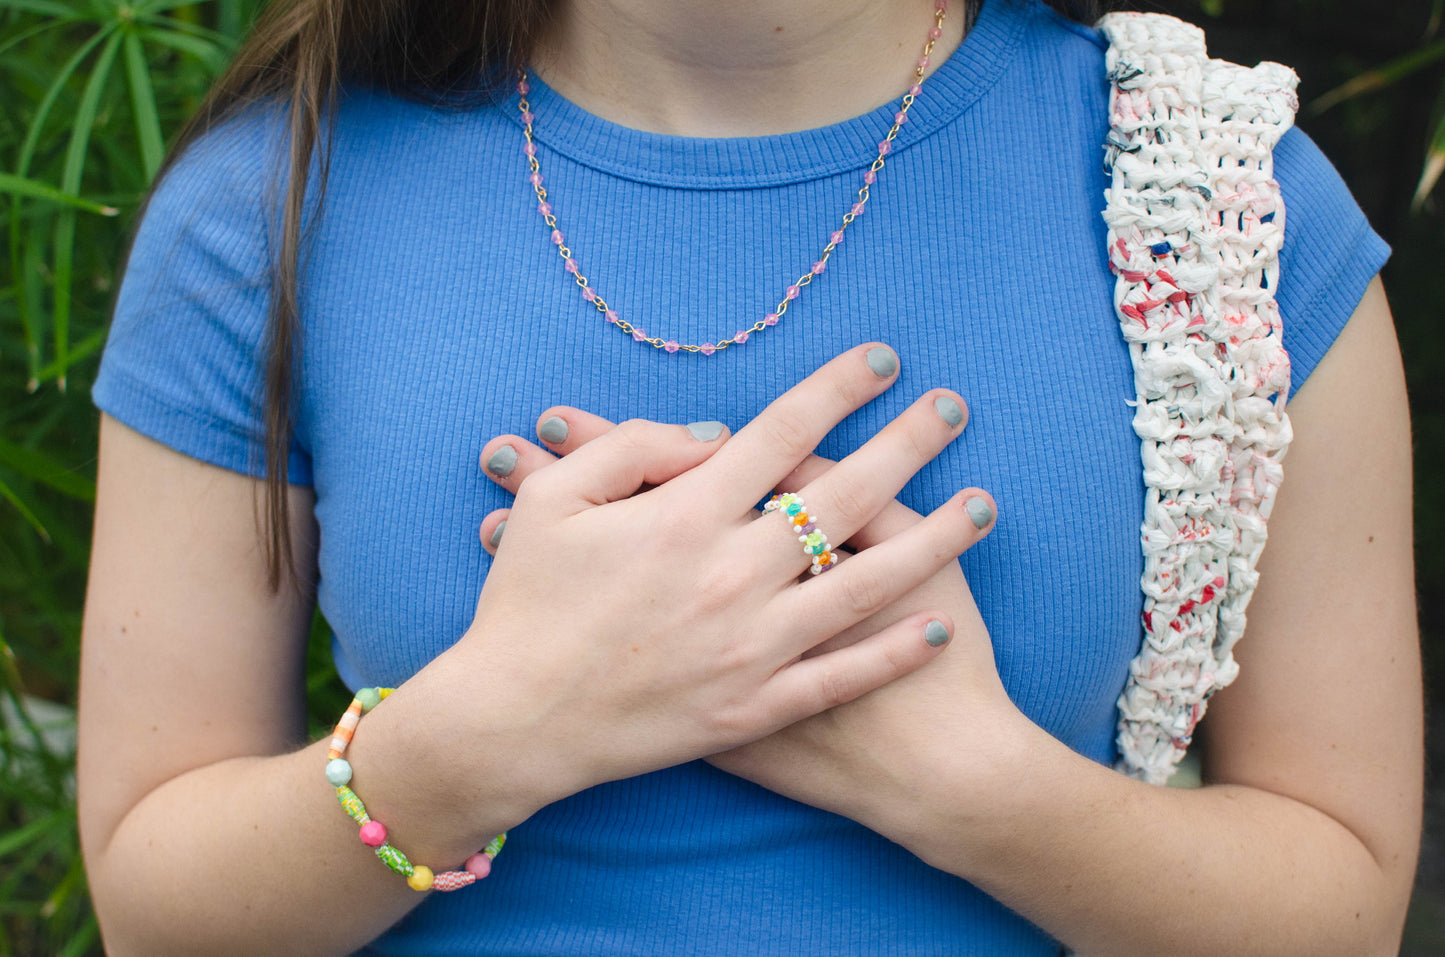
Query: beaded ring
x,y
815,543
419,877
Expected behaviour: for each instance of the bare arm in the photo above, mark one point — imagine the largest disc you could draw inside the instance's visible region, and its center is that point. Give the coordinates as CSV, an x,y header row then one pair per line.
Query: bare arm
x,y
1305,840
192,700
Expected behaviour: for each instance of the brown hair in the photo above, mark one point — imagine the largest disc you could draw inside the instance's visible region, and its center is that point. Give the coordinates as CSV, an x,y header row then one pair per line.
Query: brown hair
x,y
300,53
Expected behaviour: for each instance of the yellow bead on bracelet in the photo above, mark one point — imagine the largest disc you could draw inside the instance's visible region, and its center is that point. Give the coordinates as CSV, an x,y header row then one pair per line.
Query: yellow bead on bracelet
x,y
373,833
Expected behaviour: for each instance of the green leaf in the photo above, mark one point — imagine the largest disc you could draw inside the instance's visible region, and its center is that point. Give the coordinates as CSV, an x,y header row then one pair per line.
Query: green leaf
x,y
223,40
50,8
33,831
22,711
83,350
24,256
20,186
1434,166
229,18
84,120
35,465
28,290
1381,76
42,110
60,302
143,103
74,880
156,6
10,671
70,181
34,852
212,55
24,510
23,35
84,939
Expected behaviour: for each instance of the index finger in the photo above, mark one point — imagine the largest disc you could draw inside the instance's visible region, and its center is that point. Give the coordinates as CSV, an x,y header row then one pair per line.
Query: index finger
x,y
772,445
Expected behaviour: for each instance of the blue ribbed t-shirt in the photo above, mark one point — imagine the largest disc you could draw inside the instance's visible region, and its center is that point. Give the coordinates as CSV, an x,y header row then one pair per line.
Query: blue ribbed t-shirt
x,y
436,314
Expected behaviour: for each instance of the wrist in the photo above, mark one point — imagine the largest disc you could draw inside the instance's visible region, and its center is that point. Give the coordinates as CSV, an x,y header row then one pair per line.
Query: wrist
x,y
973,792
441,787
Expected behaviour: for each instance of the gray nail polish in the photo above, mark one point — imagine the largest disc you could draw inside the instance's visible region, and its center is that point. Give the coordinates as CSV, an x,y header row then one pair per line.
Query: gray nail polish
x,y
949,409
502,461
979,512
705,431
882,361
935,634
552,430
497,535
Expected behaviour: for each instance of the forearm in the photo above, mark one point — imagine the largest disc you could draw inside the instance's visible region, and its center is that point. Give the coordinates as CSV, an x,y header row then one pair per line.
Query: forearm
x,y
255,855
1113,866
249,855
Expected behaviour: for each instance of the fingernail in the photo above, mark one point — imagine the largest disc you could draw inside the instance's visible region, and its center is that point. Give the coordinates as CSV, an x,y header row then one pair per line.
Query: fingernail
x,y
552,430
935,634
502,461
497,535
949,409
705,431
882,361
979,512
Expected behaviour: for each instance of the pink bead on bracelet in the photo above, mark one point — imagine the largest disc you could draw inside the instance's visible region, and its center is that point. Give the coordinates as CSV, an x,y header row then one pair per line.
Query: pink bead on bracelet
x,y
373,833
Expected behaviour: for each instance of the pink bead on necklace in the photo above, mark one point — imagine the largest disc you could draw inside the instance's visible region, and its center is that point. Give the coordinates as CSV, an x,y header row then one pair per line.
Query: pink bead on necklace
x,y
590,294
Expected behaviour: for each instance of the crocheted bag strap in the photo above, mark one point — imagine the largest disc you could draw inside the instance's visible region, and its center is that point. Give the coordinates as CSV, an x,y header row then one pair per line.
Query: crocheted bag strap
x,y
1195,225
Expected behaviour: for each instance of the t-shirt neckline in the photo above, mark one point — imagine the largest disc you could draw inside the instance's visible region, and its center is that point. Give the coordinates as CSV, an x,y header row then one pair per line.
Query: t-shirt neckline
x,y
747,162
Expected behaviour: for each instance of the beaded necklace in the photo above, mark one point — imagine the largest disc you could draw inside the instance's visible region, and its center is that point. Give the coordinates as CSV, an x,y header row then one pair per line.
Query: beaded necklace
x,y
589,292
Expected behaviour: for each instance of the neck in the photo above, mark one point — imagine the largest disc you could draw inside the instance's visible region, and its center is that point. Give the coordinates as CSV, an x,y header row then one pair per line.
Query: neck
x,y
740,67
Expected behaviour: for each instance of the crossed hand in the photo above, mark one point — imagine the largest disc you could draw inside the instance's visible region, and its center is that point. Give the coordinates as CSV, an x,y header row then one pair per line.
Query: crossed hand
x,y
665,619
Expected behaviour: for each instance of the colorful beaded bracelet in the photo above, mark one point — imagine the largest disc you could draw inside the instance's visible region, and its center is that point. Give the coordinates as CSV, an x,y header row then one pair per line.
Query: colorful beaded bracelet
x,y
815,543
373,833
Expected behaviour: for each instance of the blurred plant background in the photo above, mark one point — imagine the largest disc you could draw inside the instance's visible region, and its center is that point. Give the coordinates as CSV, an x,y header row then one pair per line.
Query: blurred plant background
x,y
91,91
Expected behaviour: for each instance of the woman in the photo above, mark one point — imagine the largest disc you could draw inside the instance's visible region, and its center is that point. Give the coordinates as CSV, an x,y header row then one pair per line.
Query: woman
x,y
961,806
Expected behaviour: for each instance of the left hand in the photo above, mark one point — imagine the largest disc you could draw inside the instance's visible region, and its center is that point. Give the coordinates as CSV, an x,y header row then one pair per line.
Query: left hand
x,y
870,758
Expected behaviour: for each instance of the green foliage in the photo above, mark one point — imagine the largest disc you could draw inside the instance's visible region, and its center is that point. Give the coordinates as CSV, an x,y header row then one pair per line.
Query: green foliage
x,y
1402,67
91,91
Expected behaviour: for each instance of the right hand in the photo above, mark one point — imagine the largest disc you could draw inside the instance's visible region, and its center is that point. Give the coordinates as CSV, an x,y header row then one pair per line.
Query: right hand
x,y
620,632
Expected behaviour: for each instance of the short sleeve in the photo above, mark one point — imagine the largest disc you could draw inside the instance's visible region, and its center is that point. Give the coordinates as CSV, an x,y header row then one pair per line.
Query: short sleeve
x,y
1329,256
185,359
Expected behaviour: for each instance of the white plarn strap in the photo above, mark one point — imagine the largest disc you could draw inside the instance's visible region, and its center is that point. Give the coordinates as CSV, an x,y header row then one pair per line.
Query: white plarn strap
x,y
1195,225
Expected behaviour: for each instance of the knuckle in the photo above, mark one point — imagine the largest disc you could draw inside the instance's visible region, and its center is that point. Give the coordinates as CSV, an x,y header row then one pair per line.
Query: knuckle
x,y
863,592
898,663
540,487
720,587
845,392
920,446
790,431
733,724
849,496
632,433
838,686
674,538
